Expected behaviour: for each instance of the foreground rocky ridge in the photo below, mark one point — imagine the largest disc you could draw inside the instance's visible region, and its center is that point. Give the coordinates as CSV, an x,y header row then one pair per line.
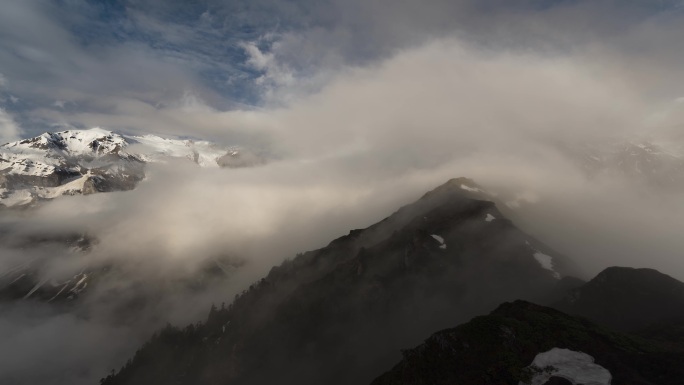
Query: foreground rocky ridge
x,y
499,349
340,314
643,304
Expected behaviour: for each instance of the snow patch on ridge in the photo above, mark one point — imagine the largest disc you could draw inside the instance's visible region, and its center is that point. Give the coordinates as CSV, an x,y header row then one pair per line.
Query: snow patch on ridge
x,y
576,367
471,189
546,261
440,240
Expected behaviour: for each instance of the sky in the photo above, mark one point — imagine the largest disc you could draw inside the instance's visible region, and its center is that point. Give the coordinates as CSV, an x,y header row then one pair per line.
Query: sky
x,y
132,65
361,105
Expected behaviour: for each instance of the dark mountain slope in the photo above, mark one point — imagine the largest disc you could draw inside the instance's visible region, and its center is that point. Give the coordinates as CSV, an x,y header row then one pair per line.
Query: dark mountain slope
x,y
627,299
339,315
499,348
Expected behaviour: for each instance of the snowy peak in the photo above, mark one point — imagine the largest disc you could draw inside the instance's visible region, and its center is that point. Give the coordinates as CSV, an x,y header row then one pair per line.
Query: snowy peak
x,y
98,142
93,142
58,152
97,160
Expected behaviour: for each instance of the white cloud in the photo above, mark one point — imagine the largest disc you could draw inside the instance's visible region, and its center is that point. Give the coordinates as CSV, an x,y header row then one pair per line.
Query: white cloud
x,y
9,130
275,75
427,114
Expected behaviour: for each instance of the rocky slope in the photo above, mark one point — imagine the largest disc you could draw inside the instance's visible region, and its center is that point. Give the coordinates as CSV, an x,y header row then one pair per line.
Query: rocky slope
x,y
339,315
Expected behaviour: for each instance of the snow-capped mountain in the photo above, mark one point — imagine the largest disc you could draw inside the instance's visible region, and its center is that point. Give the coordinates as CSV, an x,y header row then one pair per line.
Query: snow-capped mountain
x,y
87,161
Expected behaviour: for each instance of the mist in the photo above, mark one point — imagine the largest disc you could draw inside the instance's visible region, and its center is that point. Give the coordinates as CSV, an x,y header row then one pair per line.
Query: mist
x,y
354,126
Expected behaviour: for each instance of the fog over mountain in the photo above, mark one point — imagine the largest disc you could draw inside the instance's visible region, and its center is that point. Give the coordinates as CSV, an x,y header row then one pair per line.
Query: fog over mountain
x,y
360,107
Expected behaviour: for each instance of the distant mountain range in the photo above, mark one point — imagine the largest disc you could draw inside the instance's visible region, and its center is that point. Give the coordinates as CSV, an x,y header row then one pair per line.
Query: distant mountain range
x,y
77,162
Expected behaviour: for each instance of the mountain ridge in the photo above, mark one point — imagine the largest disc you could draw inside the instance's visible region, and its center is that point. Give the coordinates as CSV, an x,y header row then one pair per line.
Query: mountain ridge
x,y
347,308
627,299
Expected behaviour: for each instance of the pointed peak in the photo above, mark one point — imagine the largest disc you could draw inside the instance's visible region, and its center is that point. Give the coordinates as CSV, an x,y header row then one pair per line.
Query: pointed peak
x,y
463,183
461,187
